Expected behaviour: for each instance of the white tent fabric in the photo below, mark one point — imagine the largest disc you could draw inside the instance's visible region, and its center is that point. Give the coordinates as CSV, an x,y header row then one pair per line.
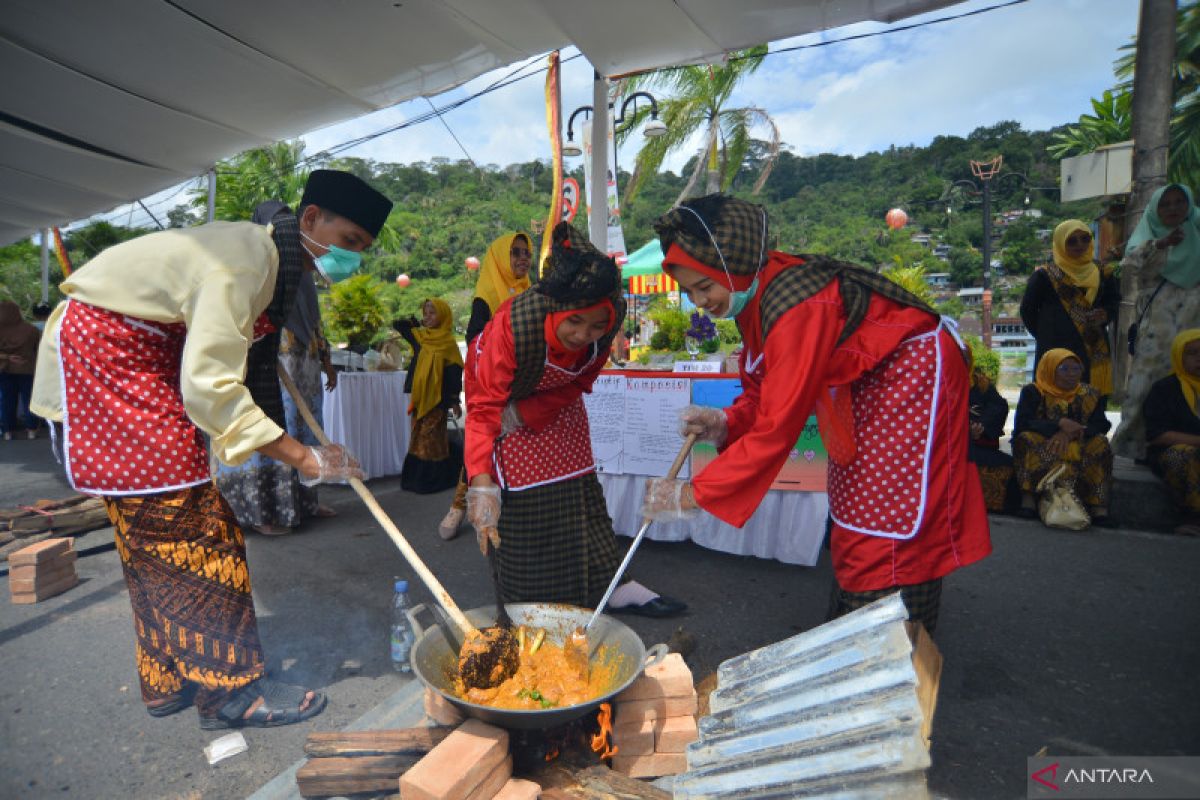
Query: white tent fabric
x,y
105,103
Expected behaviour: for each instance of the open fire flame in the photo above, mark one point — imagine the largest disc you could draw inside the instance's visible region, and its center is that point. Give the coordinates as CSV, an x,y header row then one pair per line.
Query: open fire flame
x,y
602,741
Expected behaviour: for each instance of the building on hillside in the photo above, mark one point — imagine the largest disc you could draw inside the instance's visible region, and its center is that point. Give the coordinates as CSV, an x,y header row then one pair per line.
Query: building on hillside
x,y
1017,350
923,239
938,280
942,252
972,296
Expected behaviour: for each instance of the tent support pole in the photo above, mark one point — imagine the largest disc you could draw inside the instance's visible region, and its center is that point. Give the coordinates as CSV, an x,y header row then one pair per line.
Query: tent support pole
x,y
598,191
212,194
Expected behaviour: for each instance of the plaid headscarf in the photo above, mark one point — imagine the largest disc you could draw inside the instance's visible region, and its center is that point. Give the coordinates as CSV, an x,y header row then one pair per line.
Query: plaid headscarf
x,y
739,232
575,275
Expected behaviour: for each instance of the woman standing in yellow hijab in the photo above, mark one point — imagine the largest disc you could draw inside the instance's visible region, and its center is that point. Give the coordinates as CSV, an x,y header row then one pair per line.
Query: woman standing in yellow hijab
x,y
1172,414
1070,302
1061,420
504,274
434,382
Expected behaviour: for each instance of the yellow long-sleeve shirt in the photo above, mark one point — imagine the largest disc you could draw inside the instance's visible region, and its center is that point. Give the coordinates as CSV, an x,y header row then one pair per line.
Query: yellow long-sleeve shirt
x,y
216,279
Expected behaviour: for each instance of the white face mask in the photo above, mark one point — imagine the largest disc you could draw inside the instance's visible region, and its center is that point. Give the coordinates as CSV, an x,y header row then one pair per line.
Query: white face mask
x,y
737,300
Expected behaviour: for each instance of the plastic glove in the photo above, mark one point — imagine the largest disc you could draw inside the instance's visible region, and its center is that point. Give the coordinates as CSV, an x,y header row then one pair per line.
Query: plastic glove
x,y
510,420
666,501
334,463
707,423
483,512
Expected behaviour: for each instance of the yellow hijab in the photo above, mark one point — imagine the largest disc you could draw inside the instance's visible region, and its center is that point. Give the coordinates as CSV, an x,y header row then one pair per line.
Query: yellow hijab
x,y
496,280
1044,378
438,349
1082,271
1189,383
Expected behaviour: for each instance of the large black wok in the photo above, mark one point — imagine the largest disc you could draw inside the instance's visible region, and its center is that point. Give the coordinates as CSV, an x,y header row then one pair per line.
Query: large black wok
x,y
434,658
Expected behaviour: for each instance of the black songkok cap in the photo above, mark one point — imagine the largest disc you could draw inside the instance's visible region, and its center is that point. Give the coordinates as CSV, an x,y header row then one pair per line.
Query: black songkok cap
x,y
349,196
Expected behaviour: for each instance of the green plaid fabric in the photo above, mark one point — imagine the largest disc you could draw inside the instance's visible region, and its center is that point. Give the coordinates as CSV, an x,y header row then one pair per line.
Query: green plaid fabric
x,y
579,275
261,378
557,544
739,228
797,284
923,601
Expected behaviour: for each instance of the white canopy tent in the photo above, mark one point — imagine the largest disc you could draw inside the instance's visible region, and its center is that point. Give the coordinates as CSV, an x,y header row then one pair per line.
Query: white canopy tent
x,y
106,103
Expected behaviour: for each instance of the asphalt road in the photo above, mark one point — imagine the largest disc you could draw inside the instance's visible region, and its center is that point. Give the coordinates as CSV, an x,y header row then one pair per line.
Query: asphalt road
x,y
1079,643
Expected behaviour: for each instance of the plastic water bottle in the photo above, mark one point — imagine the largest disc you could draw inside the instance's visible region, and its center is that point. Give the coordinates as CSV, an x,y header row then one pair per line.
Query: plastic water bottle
x,y
402,633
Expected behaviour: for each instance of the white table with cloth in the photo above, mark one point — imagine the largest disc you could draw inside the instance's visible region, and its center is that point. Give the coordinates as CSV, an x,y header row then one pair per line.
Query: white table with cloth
x,y
632,416
368,413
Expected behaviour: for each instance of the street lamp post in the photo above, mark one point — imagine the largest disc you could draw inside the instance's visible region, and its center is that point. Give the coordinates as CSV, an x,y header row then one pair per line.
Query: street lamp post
x,y
654,127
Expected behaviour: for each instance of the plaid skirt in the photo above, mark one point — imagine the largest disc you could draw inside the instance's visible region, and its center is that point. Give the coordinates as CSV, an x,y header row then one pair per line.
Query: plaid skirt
x,y
184,560
923,601
557,544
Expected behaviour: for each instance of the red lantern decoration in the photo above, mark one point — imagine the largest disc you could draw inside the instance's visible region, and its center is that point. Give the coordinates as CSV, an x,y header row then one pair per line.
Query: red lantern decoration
x,y
472,263
403,281
896,219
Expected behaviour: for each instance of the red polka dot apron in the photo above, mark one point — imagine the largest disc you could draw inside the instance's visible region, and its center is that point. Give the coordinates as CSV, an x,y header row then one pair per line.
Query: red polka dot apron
x,y
125,429
561,450
883,489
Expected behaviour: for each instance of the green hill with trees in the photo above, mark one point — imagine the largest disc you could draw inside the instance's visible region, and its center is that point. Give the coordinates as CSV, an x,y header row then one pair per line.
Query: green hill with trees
x,y
447,210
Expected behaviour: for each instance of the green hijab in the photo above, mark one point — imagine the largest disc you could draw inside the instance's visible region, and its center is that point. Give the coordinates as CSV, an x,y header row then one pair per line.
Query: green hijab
x,y
1183,260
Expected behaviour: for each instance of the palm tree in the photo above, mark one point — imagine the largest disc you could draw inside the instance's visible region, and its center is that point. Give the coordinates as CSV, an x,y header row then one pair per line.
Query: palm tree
x,y
265,173
699,95
1112,121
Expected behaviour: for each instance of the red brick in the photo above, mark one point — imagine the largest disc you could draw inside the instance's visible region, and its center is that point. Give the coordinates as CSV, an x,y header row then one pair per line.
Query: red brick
x,y
453,769
674,734
635,739
58,562
654,766
42,579
37,553
668,678
659,708
26,598
517,789
441,710
490,786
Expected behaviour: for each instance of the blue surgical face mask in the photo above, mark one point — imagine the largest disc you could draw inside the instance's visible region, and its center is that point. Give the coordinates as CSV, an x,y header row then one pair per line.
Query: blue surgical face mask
x,y
337,264
738,300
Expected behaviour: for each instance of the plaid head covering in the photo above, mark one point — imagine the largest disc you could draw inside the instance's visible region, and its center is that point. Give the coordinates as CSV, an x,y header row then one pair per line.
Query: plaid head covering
x,y
575,275
738,232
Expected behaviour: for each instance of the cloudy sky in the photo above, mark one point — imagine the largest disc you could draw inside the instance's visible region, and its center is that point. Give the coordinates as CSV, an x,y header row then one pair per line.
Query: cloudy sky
x,y
1038,63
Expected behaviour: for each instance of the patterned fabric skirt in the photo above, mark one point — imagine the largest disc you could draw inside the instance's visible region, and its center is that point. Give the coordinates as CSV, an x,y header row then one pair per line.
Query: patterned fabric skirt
x,y
923,601
557,544
1089,466
1179,467
263,491
433,464
185,565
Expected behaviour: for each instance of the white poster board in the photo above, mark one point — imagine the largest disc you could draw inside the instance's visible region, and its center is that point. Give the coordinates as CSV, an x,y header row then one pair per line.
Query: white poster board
x,y
651,426
606,419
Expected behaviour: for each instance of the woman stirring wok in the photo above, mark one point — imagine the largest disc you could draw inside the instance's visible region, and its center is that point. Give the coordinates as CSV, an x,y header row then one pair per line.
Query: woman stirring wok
x,y
889,383
527,434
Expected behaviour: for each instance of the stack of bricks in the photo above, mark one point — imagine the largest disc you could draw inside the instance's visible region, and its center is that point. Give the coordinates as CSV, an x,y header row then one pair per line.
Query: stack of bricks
x,y
472,763
655,721
42,570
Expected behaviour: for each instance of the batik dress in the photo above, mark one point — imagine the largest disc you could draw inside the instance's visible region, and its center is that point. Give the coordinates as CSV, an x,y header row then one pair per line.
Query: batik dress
x,y
1088,460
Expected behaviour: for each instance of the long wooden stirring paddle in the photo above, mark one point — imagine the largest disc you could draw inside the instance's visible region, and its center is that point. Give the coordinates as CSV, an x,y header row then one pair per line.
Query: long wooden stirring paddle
x,y
466,630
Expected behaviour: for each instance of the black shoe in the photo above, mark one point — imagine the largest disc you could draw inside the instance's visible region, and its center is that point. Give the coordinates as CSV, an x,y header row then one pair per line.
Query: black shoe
x,y
1027,513
661,606
1105,521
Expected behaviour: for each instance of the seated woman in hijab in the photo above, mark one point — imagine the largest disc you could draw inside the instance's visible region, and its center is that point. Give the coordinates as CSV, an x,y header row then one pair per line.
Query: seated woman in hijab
x,y
1060,419
988,413
434,382
1070,302
534,494
1172,414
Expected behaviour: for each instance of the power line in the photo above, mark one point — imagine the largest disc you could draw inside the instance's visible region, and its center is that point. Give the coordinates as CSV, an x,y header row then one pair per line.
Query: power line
x,y
514,76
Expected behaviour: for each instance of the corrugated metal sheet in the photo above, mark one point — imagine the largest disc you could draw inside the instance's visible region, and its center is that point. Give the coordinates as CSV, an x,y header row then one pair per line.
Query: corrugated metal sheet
x,y
832,713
